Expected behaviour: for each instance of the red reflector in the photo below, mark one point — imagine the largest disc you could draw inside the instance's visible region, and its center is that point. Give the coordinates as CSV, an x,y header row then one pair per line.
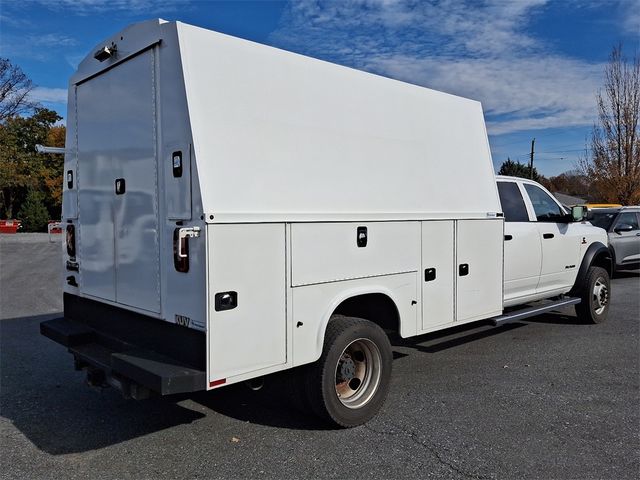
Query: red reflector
x,y
215,383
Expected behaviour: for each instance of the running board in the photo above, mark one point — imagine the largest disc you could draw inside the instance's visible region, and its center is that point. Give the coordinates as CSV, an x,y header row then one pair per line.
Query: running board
x,y
533,311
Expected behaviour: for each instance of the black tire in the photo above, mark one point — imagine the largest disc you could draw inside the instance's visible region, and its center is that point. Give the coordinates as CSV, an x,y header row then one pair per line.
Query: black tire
x,y
595,293
356,359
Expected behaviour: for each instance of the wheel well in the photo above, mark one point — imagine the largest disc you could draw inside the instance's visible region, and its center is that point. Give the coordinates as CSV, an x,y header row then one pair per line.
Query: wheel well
x,y
375,307
604,260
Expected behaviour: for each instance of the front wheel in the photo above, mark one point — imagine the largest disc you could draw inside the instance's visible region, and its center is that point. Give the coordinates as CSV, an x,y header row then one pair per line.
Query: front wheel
x,y
349,383
595,293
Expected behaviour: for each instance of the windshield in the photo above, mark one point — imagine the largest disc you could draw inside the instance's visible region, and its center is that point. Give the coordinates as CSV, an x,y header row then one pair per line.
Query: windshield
x,y
602,219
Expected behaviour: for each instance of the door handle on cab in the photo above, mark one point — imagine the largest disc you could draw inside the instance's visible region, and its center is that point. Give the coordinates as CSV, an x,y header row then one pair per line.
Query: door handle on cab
x,y
508,237
547,235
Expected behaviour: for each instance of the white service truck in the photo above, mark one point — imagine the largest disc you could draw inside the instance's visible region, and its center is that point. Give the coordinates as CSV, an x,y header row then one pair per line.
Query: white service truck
x,y
233,210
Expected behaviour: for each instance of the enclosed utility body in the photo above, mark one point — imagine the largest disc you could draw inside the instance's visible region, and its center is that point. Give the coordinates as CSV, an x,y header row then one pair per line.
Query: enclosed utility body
x,y
233,210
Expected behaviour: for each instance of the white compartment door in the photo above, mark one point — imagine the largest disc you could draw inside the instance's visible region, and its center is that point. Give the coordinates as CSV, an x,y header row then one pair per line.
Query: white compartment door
x,y
117,181
438,249
478,271
247,263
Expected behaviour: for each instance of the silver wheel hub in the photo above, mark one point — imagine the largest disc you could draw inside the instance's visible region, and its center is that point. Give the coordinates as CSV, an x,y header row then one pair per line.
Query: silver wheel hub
x,y
600,296
358,373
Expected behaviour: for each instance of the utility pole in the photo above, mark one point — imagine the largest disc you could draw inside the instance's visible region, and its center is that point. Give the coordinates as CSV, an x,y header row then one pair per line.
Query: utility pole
x,y
533,142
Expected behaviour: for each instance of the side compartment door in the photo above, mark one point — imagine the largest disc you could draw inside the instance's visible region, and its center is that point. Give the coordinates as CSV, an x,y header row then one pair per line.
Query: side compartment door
x,y
478,268
438,251
246,287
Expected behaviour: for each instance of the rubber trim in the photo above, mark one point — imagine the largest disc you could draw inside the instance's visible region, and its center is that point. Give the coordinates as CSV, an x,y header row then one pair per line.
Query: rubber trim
x,y
592,252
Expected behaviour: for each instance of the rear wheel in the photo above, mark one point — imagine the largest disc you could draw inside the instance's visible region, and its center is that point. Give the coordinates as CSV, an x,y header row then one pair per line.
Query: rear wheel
x,y
349,383
595,293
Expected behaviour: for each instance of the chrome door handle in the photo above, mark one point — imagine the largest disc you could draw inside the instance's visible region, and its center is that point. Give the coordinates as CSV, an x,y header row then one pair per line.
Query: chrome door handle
x,y
189,232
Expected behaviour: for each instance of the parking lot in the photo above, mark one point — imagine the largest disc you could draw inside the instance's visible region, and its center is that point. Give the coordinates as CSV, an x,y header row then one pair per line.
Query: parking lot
x,y
548,398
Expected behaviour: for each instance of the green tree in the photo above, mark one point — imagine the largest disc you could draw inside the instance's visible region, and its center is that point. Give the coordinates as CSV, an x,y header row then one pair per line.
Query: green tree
x,y
517,169
21,168
33,213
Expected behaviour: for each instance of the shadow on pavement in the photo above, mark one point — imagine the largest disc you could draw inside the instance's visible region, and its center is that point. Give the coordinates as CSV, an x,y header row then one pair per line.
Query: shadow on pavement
x,y
51,405
627,274
556,318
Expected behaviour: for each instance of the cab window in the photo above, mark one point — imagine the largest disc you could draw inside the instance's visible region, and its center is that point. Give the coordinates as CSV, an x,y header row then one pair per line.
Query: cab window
x,y
512,202
545,207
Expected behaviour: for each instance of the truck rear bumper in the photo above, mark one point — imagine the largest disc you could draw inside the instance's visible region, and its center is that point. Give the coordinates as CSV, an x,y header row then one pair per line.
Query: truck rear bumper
x,y
137,360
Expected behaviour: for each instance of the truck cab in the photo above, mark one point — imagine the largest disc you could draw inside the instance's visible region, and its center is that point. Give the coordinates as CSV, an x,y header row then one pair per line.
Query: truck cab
x,y
544,247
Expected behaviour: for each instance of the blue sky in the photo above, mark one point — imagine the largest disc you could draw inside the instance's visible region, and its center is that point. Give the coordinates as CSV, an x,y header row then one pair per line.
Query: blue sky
x,y
535,65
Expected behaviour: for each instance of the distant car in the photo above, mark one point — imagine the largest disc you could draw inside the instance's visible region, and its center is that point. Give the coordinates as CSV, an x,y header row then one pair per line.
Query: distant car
x,y
622,226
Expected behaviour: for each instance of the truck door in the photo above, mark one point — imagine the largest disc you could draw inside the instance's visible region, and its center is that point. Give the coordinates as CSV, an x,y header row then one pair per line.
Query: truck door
x,y
522,249
560,248
117,182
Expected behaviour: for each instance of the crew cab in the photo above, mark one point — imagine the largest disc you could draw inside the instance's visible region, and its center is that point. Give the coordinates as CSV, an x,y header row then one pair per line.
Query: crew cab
x,y
548,252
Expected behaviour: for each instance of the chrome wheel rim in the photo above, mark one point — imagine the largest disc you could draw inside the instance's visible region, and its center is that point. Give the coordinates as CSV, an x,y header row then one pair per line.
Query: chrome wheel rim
x,y
358,373
600,296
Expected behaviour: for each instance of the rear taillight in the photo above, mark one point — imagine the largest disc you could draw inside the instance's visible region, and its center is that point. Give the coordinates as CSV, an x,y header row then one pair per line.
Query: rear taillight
x,y
71,241
180,245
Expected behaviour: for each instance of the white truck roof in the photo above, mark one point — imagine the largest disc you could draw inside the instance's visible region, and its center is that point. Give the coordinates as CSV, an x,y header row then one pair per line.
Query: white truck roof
x,y
278,136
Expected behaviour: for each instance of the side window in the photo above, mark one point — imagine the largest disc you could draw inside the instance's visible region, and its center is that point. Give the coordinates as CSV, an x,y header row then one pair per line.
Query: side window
x,y
545,207
629,218
512,203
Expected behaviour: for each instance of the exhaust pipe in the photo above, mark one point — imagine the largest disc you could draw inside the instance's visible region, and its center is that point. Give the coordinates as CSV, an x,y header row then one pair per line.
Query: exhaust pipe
x,y
255,384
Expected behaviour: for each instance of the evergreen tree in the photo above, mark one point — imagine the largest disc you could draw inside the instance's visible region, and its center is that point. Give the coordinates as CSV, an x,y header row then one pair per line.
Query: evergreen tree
x,y
517,169
33,213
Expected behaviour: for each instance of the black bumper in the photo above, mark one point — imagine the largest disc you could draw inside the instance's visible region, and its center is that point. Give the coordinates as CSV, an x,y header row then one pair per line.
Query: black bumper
x,y
129,350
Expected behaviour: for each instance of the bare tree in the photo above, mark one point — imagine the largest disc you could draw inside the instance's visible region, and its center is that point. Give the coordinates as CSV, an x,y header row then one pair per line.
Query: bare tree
x,y
15,87
613,156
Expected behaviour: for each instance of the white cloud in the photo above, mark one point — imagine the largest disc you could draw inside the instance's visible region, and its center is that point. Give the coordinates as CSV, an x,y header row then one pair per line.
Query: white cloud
x,y
36,47
631,20
526,94
49,95
473,49
85,7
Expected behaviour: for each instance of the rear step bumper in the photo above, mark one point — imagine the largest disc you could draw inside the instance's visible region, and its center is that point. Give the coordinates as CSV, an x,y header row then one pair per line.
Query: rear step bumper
x,y
122,364
518,315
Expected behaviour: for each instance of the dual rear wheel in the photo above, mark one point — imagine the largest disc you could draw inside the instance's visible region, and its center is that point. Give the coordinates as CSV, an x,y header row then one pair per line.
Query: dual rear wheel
x,y
348,385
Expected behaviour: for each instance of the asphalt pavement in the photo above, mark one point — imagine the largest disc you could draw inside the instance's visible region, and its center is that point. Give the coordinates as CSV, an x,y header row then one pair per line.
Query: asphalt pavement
x,y
547,398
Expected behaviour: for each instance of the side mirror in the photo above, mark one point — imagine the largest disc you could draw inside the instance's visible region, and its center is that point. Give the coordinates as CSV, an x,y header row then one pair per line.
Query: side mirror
x,y
623,227
578,213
